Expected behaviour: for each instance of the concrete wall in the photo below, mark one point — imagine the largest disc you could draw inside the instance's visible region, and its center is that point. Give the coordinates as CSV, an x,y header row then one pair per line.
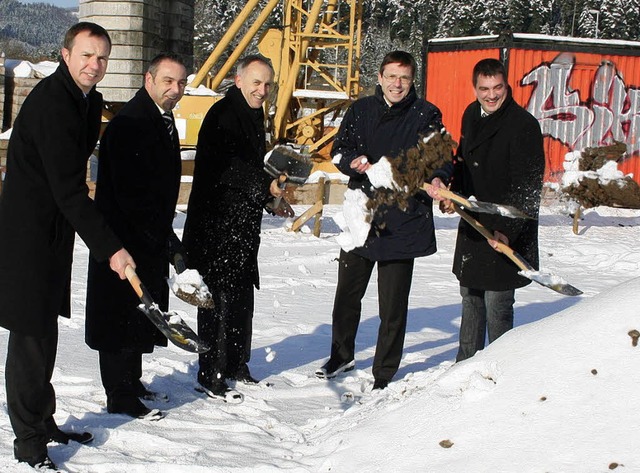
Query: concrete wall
x,y
139,30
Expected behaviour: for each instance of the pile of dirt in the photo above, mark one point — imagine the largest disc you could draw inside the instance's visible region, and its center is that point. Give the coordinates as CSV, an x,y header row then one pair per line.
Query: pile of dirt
x,y
591,191
415,166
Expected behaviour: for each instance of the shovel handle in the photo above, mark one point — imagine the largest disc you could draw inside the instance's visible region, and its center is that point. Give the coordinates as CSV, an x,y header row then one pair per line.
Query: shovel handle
x,y
506,249
138,287
447,194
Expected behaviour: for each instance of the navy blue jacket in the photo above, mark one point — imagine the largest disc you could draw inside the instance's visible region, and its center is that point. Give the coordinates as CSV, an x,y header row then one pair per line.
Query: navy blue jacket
x,y
374,129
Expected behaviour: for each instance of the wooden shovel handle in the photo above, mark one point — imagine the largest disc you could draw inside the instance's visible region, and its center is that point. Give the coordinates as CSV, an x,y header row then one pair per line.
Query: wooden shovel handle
x,y
506,249
134,280
447,194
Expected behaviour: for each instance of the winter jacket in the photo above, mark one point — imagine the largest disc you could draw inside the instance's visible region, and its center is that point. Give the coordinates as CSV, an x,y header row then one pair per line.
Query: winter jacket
x,y
500,159
45,201
372,128
229,191
137,189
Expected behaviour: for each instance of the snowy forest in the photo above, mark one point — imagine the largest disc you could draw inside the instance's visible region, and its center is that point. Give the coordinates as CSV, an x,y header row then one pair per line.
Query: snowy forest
x,y
399,24
407,24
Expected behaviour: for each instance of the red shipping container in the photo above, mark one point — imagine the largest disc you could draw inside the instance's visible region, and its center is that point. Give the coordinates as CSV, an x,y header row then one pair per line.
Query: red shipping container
x,y
584,92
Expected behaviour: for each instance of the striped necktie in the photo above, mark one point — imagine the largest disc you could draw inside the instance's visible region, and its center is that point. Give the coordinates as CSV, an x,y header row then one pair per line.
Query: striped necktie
x,y
168,122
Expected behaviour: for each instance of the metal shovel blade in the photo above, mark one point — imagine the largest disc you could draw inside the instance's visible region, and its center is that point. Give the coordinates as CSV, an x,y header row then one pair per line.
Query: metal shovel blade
x,y
191,289
478,205
170,324
174,328
552,282
286,161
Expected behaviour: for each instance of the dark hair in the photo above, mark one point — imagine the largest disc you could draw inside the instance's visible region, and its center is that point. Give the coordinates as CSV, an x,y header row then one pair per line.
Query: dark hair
x,y
244,62
402,57
92,28
490,68
155,62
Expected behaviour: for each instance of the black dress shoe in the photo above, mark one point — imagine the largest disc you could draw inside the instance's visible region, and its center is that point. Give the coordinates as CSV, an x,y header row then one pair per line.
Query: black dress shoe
x,y
380,384
333,368
132,407
244,376
43,463
63,437
143,393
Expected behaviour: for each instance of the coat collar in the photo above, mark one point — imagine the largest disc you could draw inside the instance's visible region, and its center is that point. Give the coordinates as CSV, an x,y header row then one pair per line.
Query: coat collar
x,y
400,106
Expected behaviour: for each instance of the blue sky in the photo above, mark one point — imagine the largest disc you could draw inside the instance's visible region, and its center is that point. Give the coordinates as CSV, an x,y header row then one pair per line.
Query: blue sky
x,y
58,3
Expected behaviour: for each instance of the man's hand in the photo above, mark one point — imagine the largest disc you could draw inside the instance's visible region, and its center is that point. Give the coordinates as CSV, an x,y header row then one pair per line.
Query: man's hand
x,y
498,238
361,164
120,260
432,190
277,186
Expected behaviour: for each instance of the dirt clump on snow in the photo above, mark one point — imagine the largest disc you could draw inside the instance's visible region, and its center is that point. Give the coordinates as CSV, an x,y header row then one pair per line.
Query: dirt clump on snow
x,y
592,190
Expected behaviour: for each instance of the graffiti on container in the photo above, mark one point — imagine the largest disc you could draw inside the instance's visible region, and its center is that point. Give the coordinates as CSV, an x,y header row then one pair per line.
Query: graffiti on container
x,y
611,114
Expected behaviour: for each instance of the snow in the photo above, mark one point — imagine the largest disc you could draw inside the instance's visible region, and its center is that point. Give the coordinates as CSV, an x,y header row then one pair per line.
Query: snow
x,y
556,394
19,68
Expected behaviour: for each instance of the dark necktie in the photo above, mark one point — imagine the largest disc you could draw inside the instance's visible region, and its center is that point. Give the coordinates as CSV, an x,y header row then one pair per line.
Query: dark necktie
x,y
168,122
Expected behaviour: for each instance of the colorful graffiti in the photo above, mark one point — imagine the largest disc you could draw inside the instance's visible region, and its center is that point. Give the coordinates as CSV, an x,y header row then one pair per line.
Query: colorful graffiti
x,y
611,112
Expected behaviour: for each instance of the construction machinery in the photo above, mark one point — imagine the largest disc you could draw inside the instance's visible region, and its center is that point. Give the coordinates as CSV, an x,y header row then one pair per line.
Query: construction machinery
x,y
316,57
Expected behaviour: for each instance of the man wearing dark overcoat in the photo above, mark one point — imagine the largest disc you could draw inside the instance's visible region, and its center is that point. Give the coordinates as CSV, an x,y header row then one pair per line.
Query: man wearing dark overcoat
x,y
44,203
222,230
500,159
137,189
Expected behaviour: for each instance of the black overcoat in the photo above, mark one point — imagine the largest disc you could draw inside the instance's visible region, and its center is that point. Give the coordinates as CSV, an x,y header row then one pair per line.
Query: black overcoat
x,y
137,189
45,201
229,191
372,128
500,159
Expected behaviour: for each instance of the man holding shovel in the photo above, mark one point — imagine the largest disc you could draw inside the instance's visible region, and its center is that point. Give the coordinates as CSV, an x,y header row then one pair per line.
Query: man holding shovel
x,y
222,230
500,159
139,171
44,203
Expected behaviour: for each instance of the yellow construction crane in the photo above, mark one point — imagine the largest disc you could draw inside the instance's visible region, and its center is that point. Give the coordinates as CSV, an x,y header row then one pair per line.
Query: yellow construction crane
x,y
316,57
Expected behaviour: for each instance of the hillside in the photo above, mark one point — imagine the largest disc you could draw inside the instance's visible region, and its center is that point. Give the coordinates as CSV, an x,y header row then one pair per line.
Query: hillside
x,y
22,34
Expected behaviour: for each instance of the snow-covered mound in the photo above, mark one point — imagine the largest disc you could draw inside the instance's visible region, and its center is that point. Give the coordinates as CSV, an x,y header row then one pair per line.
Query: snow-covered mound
x,y
560,394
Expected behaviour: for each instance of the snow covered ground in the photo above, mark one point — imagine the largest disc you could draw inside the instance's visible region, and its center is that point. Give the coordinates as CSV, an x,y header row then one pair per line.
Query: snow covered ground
x,y
557,394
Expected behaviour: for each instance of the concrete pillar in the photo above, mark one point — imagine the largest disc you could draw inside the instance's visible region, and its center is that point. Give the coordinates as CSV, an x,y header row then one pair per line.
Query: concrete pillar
x,y
139,30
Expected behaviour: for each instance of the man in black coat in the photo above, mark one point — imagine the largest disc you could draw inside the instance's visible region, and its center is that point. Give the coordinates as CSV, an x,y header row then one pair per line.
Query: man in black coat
x,y
44,202
222,231
500,159
137,189
385,124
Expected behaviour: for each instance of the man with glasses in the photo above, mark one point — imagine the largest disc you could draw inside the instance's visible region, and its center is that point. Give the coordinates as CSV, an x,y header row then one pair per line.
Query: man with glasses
x,y
385,124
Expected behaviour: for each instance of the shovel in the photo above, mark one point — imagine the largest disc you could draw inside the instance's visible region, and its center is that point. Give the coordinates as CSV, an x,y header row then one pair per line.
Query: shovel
x,y
287,165
189,287
170,324
477,205
545,279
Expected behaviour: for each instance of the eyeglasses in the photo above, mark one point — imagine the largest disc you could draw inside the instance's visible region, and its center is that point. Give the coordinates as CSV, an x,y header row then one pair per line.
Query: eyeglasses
x,y
392,78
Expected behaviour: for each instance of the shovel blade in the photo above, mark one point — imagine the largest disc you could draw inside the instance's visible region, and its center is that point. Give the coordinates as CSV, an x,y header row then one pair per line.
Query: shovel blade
x,y
285,160
198,298
552,281
175,329
496,209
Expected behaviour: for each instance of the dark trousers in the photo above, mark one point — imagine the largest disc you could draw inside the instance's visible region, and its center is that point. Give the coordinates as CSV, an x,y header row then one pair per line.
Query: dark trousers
x,y
483,311
394,284
121,372
228,329
31,399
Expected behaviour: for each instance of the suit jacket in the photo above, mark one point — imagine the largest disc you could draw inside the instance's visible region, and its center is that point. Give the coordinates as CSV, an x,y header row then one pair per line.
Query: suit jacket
x,y
229,191
500,159
137,189
45,201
